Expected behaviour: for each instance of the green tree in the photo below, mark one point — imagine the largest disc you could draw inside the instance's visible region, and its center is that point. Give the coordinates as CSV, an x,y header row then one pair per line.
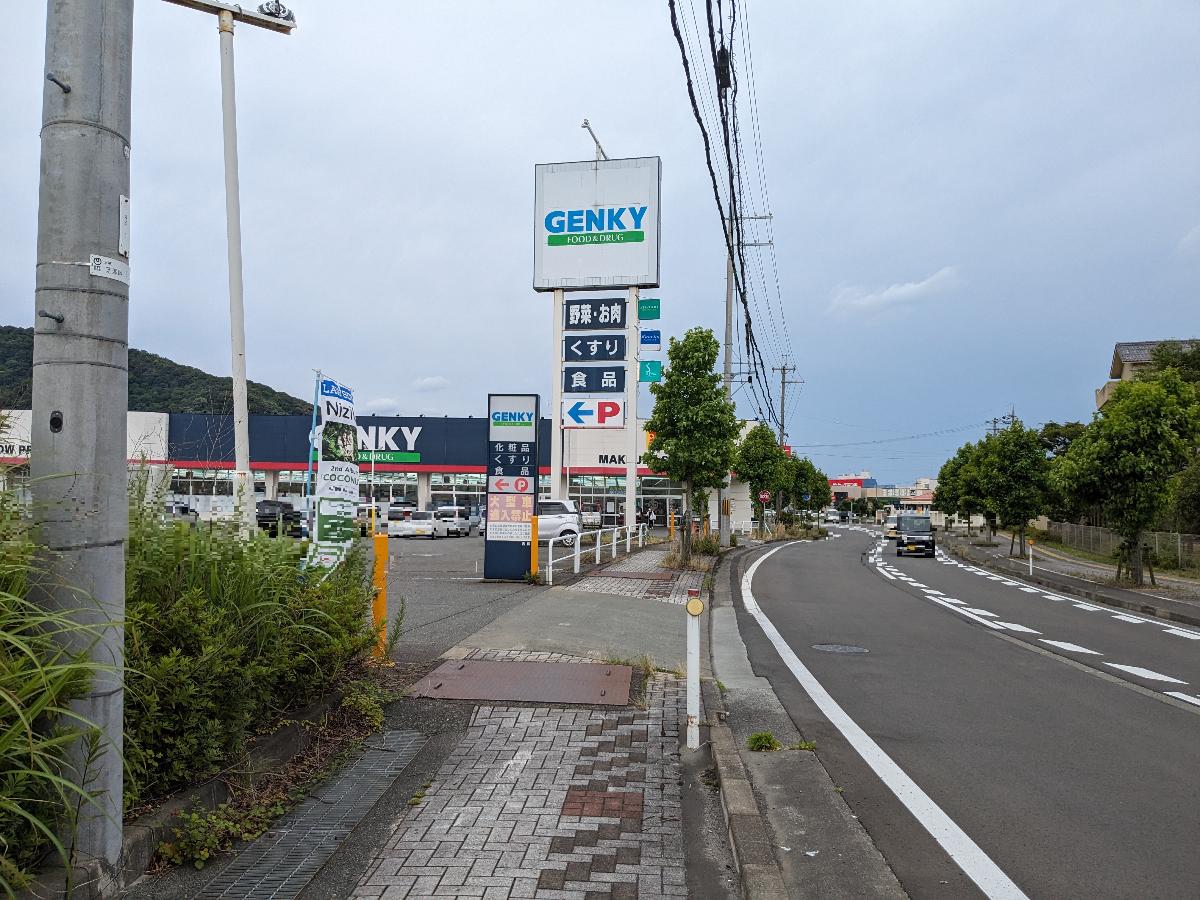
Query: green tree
x,y
1056,439
960,489
1182,356
694,424
1125,459
1185,499
1014,475
761,463
809,481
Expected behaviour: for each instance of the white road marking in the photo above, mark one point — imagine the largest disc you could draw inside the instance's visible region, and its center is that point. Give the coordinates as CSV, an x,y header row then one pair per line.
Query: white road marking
x,y
1054,597
1074,648
932,592
918,584
951,600
977,865
1030,590
981,612
1179,632
885,574
1186,698
1013,626
1087,606
1145,673
1121,617
1010,583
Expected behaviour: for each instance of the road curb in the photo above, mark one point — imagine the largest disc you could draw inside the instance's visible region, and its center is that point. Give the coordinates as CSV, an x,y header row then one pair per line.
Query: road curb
x,y
753,852
1066,587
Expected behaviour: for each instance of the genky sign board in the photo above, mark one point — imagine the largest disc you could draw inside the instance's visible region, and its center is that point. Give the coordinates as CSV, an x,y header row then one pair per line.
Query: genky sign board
x,y
596,224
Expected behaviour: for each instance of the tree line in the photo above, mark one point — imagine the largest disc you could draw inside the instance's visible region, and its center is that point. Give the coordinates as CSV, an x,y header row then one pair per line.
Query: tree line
x,y
694,440
1133,467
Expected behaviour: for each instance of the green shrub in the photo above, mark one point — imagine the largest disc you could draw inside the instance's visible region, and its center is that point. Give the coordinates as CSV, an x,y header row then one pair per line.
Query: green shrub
x,y
223,635
706,545
733,539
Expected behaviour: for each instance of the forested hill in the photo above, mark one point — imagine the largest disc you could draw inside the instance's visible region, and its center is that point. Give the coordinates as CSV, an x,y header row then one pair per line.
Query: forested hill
x,y
156,384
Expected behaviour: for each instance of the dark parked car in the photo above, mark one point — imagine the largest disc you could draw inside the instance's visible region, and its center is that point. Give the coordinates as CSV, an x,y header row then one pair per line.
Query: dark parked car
x,y
271,514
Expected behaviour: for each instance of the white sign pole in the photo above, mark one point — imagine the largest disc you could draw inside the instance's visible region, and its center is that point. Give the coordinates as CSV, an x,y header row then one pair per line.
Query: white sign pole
x,y
631,393
556,392
694,608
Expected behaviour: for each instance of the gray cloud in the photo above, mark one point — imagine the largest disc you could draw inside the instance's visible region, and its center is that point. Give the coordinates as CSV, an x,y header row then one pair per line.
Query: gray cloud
x,y
430,383
850,299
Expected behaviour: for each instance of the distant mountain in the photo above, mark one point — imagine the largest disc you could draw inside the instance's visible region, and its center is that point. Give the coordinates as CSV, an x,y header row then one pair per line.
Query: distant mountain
x,y
156,384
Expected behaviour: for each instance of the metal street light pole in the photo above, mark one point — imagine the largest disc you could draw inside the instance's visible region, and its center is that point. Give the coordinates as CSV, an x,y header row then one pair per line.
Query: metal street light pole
x,y
276,17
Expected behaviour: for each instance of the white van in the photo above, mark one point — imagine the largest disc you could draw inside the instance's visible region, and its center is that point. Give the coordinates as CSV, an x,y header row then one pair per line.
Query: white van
x,y
457,519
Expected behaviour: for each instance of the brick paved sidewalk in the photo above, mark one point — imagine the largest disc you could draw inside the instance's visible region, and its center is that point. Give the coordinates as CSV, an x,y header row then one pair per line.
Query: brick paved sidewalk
x,y
548,802
626,584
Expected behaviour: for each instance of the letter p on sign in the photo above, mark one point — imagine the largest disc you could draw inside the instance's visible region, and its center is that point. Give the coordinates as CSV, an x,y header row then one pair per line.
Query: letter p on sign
x,y
606,410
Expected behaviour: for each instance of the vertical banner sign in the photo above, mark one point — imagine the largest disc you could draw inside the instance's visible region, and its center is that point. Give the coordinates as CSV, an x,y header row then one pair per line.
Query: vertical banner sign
x,y
512,484
336,493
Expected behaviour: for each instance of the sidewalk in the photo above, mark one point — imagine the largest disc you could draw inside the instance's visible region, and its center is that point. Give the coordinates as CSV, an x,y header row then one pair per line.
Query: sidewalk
x,y
566,801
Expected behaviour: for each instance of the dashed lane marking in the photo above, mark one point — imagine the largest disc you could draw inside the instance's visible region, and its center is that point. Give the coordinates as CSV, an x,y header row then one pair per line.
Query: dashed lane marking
x,y
1013,626
1145,673
1179,632
977,865
1073,648
1121,617
1186,698
981,612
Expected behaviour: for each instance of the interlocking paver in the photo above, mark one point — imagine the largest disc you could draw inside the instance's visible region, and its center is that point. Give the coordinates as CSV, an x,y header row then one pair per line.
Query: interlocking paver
x,y
548,802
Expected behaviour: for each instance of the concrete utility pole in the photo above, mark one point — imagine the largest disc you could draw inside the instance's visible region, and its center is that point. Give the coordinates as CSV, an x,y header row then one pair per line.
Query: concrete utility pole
x,y
783,383
723,527
275,17
78,466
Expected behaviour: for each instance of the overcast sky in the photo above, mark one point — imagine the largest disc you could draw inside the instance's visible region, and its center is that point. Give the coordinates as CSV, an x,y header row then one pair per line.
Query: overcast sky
x,y
972,201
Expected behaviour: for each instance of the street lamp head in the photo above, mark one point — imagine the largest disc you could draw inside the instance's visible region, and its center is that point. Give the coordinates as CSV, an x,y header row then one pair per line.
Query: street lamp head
x,y
277,10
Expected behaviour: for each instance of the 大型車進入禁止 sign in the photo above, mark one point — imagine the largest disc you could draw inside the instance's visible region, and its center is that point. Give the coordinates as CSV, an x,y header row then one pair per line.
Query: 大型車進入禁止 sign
x,y
593,379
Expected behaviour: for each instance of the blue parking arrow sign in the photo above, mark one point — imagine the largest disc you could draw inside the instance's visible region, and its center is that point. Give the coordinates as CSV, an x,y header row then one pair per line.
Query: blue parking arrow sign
x,y
651,339
578,411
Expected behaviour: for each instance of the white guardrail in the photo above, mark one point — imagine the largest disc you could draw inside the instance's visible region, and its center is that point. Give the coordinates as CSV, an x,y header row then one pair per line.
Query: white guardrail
x,y
576,551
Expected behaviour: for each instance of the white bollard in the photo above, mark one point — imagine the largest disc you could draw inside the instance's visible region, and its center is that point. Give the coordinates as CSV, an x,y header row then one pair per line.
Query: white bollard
x,y
695,607
1030,557
599,543
616,532
628,538
578,541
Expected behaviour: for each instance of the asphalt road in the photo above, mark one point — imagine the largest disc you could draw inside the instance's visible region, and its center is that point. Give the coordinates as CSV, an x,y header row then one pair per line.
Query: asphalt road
x,y
1045,770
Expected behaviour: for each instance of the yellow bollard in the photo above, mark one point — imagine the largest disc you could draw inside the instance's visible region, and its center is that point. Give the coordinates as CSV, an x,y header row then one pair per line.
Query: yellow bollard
x,y
533,546
670,525
379,605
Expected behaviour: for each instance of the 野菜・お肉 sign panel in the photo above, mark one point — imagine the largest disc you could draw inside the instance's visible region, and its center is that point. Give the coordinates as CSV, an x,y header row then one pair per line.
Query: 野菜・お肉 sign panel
x,y
596,224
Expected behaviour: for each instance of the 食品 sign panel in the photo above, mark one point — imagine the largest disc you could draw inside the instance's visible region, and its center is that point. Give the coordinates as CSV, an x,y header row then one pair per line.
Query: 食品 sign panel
x,y
593,379
593,413
596,224
593,315
594,347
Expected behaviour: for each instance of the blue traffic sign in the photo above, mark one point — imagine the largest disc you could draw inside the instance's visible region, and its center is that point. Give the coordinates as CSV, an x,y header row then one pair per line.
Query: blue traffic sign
x,y
651,339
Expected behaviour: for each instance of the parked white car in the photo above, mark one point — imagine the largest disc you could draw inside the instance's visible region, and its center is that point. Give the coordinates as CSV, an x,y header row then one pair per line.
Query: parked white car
x,y
457,519
421,523
558,519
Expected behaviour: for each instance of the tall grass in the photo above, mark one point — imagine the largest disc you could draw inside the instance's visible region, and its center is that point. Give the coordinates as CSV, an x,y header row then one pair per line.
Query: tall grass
x,y
43,665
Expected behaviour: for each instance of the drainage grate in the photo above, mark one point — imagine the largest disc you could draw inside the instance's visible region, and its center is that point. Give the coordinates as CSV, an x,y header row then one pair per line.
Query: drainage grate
x,y
279,864
839,648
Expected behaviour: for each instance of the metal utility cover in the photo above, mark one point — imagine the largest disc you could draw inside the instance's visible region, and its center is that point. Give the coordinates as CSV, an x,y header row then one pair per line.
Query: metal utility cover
x,y
537,682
